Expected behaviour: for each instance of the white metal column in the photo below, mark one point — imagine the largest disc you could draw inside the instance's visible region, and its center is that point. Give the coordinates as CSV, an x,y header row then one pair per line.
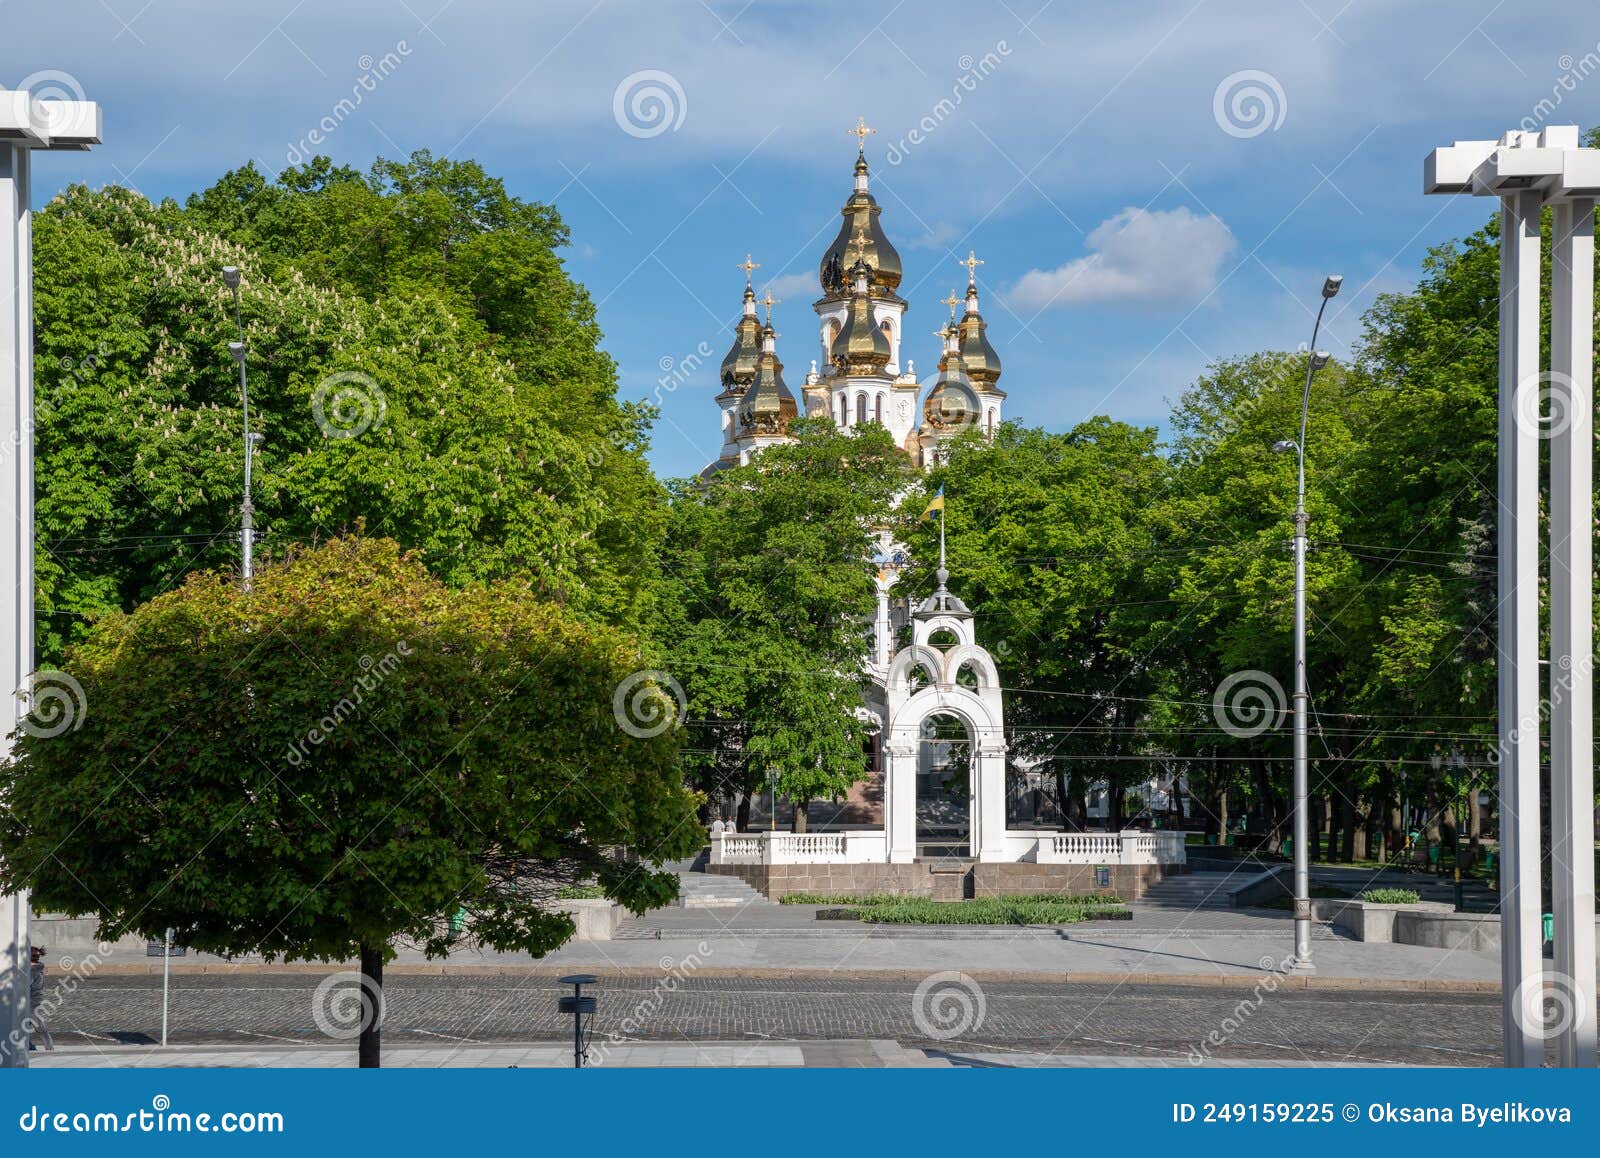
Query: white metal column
x,y
1521,929
16,553
1571,626
26,126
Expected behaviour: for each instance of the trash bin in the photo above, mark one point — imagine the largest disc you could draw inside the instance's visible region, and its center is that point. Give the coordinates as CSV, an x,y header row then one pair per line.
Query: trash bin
x,y
1288,846
1491,862
1549,926
1433,856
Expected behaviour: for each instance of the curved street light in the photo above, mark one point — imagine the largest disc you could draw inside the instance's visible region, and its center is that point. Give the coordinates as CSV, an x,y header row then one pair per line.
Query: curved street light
x,y
1316,360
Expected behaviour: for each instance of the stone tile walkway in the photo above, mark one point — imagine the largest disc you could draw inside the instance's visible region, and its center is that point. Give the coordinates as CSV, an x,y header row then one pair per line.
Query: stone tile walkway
x,y
850,1054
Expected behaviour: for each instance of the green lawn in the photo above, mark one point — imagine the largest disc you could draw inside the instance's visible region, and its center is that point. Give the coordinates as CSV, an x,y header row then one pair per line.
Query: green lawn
x,y
885,909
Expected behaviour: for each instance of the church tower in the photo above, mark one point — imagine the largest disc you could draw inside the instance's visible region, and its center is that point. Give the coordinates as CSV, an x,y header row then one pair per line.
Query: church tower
x,y
758,408
860,317
979,361
864,376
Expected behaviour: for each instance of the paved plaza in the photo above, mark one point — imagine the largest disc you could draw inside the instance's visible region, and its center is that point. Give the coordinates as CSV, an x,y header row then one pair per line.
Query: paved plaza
x,y
107,1020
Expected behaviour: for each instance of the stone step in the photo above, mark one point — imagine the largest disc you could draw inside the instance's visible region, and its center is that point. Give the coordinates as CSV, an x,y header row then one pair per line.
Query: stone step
x,y
700,890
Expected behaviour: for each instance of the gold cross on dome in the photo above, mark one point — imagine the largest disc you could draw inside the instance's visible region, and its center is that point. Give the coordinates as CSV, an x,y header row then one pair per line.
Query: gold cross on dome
x,y
972,263
861,132
952,301
769,301
860,240
747,265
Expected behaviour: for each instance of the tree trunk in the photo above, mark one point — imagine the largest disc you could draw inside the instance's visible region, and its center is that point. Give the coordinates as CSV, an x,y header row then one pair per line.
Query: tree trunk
x,y
798,824
1435,811
371,1006
1474,823
1397,831
741,816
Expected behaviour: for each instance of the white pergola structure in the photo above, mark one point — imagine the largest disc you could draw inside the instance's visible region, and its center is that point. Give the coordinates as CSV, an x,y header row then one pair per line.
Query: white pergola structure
x,y
26,125
921,681
1528,171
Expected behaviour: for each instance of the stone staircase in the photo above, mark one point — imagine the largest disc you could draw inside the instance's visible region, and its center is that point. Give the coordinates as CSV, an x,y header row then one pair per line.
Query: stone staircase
x,y
698,889
1192,892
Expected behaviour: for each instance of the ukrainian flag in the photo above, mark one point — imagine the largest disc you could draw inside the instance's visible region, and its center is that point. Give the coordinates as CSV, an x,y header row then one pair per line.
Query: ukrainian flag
x,y
936,505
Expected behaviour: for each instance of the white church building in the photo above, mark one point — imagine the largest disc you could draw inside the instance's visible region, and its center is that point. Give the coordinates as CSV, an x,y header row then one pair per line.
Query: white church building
x,y
937,796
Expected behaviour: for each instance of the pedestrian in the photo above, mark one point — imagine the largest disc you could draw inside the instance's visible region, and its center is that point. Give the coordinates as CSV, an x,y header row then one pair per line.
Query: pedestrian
x,y
36,998
717,826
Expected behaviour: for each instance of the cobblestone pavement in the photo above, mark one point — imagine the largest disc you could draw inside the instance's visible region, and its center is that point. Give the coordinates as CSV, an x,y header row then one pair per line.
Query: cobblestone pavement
x,y
1155,1021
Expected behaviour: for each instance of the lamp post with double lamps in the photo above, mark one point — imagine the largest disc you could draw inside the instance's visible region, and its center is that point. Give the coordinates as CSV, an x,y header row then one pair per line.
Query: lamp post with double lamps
x,y
1316,360
247,509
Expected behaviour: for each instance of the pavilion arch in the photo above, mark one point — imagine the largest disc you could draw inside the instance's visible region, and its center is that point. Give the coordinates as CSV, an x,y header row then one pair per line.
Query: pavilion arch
x,y
978,660
907,661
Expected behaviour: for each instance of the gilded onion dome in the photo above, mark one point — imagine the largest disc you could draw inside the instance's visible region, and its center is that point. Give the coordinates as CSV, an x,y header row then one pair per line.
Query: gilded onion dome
x,y
952,404
739,366
860,348
978,357
768,406
860,238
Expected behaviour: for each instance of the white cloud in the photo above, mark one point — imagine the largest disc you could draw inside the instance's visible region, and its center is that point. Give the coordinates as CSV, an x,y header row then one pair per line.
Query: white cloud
x,y
1139,255
801,287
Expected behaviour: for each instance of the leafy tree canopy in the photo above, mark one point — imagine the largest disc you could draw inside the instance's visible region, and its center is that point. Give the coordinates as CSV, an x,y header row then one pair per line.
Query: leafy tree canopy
x,y
346,756
418,358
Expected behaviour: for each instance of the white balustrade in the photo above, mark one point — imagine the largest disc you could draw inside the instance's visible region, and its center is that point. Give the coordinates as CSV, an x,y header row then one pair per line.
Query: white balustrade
x,y
870,846
865,847
1108,848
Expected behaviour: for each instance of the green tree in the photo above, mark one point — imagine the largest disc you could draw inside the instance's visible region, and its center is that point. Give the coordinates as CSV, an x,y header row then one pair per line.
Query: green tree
x,y
342,759
1047,535
385,398
765,610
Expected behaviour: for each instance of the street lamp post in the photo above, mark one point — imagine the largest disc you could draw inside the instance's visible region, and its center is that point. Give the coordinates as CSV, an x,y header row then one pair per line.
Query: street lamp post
x,y
1316,359
247,510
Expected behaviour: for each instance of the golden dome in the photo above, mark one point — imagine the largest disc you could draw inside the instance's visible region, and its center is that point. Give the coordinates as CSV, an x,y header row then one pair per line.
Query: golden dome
x,y
979,359
768,406
739,366
860,237
952,405
860,347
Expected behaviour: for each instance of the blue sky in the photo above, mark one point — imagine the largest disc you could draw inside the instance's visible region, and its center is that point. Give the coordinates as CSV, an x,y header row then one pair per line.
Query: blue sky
x,y
1150,185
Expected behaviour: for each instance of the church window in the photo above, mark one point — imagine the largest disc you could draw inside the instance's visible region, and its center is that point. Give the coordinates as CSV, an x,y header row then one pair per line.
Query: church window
x,y
861,408
877,410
